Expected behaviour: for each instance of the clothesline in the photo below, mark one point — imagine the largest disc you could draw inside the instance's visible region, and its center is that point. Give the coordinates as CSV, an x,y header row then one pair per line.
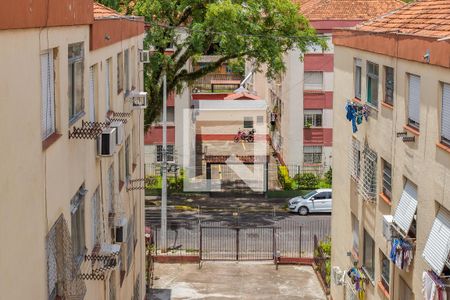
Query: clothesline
x,y
355,113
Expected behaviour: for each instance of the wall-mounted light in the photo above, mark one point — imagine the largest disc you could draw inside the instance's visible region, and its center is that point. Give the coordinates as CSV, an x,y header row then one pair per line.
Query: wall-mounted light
x,y
107,37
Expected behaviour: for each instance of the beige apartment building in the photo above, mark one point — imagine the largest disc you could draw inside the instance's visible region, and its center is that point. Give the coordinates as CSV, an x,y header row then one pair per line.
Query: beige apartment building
x,y
391,164
71,223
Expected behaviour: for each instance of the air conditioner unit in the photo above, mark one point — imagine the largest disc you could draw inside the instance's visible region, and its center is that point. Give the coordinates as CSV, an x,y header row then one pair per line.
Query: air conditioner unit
x,y
121,230
337,275
387,223
144,56
138,100
106,142
118,125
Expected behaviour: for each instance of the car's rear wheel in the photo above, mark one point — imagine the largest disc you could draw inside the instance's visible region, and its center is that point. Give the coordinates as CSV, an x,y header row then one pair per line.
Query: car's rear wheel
x,y
303,211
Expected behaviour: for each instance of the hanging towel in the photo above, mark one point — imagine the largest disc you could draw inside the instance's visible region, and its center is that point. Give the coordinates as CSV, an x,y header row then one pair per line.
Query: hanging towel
x,y
429,289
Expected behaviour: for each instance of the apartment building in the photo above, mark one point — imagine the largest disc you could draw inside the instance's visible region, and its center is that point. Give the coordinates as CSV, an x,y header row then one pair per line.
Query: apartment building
x,y
72,137
300,101
391,220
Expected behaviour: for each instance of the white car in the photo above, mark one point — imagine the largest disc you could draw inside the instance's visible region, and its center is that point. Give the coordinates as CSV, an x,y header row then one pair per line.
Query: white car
x,y
316,201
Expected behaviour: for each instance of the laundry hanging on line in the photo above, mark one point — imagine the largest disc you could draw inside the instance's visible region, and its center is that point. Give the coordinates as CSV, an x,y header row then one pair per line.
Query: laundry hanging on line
x,y
355,113
401,253
433,288
358,281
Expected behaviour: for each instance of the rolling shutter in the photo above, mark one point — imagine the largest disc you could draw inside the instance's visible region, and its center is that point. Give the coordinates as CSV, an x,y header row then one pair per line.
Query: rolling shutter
x,y
437,247
414,98
91,95
445,121
406,208
48,95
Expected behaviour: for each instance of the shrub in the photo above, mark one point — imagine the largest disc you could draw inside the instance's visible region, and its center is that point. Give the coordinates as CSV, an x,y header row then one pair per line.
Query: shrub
x,y
307,180
285,180
329,176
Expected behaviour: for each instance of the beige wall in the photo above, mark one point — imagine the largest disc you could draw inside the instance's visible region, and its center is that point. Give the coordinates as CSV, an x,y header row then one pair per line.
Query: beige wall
x,y
421,162
37,184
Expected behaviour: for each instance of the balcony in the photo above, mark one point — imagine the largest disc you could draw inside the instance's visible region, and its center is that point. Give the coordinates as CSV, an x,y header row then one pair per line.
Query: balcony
x,y
214,82
318,136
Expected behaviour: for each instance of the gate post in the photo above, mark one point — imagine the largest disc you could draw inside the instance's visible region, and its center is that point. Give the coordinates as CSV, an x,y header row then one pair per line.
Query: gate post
x,y
237,243
300,242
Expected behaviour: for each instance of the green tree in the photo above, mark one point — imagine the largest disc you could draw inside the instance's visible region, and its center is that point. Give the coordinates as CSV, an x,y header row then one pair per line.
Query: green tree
x,y
258,30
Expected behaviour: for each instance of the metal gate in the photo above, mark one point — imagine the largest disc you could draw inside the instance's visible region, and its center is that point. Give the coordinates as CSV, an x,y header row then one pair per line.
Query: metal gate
x,y
237,243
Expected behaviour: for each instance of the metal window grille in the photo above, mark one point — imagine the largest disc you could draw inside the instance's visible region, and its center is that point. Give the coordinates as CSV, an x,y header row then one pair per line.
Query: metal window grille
x,y
48,94
389,85
159,153
355,160
368,182
62,271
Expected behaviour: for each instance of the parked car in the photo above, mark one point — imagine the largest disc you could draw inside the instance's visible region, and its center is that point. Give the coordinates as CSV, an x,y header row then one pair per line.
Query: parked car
x,y
319,200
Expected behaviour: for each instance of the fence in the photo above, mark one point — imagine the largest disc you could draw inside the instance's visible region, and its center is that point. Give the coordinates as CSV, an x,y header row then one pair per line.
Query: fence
x,y
227,241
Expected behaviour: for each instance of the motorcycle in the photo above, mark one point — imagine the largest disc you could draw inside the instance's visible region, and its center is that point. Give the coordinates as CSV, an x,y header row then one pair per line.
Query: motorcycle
x,y
244,136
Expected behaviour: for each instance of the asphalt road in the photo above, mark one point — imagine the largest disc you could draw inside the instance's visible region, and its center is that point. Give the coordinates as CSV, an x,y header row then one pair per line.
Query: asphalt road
x,y
220,217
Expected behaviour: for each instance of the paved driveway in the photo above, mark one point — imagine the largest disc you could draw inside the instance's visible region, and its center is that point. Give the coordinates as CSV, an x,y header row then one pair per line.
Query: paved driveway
x,y
235,281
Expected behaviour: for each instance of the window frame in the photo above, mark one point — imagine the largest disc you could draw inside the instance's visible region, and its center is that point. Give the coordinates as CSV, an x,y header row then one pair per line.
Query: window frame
x,y
314,116
48,103
78,225
126,57
79,58
413,123
385,282
170,153
120,72
248,122
388,97
369,270
357,85
317,157
444,119
387,192
108,86
372,79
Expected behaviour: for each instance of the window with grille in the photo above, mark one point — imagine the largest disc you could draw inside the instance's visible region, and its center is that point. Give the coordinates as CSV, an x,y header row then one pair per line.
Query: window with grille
x,y
127,69
445,114
414,101
48,121
372,84
248,122
387,179
385,271
312,154
312,118
357,77
389,85
313,81
355,159
119,72
369,255
77,224
368,186
159,153
75,81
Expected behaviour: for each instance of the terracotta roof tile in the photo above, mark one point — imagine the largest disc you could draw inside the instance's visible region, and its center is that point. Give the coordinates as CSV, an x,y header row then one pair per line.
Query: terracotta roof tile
x,y
427,18
101,11
316,10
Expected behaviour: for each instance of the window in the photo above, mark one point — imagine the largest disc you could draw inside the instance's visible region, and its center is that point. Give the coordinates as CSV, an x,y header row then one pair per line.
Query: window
x,y
92,93
77,222
369,184
127,158
119,72
368,256
48,94
313,81
133,67
110,189
356,159
108,84
388,85
76,70
127,70
372,83
248,122
385,270
414,101
170,115
387,179
406,209
445,114
130,241
259,119
355,233
121,169
159,153
312,118
312,154
96,219
357,79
